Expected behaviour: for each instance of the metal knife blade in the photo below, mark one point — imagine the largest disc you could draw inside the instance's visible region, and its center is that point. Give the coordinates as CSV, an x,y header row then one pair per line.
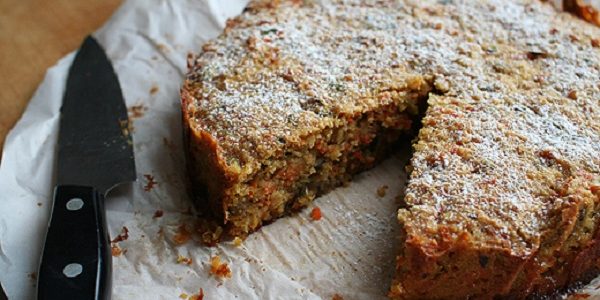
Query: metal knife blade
x,y
94,128
95,153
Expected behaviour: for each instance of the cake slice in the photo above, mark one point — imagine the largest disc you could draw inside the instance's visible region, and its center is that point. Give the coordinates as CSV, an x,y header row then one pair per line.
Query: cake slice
x,y
296,96
283,107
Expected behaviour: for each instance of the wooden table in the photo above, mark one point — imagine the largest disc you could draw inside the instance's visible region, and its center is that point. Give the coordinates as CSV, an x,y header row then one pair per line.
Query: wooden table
x,y
34,34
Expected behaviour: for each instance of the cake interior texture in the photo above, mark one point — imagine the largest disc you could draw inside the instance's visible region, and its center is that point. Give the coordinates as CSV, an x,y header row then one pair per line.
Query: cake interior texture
x,y
297,96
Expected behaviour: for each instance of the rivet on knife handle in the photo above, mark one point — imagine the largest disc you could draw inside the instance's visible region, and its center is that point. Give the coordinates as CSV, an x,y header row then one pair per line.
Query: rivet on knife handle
x,y
76,261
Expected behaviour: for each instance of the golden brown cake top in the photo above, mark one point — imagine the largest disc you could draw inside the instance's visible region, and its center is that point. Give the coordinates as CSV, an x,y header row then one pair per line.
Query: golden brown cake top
x,y
512,132
280,72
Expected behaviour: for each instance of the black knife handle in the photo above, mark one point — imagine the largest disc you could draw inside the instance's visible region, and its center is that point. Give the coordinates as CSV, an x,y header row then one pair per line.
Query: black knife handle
x,y
76,261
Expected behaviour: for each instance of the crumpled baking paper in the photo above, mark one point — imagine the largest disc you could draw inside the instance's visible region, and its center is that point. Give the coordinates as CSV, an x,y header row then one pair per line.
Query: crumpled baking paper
x,y
350,251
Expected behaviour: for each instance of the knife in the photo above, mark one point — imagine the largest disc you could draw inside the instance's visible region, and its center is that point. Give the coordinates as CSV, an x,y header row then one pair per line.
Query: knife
x,y
95,153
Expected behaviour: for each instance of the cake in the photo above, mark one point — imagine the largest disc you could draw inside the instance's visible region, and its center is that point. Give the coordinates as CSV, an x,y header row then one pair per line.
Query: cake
x,y
274,119
297,96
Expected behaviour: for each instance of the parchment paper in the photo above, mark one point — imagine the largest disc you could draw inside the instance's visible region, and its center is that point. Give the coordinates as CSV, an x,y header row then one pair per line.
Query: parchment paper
x,y
350,251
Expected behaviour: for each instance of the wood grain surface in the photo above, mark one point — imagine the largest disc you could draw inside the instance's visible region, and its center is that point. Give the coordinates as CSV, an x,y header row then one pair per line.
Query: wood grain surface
x,y
34,34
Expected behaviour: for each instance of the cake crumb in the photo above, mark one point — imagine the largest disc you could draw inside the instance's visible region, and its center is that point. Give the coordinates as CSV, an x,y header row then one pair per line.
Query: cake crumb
x,y
199,296
190,58
573,38
184,260
315,214
150,182
182,235
382,190
123,236
219,269
337,297
158,213
163,48
137,111
153,89
572,94
126,128
209,231
115,250
237,241
32,276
